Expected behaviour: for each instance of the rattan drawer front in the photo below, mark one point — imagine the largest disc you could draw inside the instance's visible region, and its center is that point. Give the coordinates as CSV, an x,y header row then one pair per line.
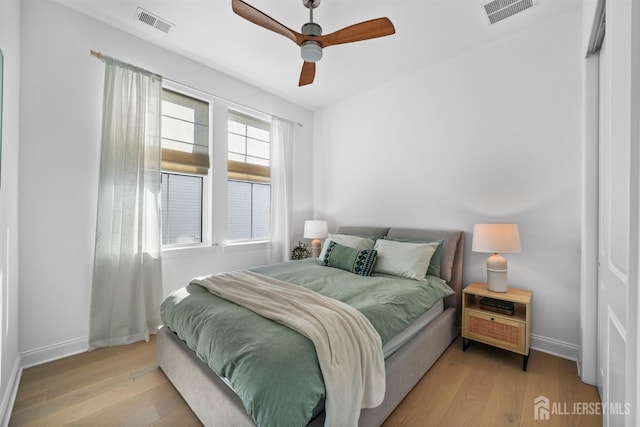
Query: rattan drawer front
x,y
495,330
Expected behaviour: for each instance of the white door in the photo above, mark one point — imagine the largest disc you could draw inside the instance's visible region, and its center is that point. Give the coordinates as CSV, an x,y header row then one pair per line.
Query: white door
x,y
603,133
616,240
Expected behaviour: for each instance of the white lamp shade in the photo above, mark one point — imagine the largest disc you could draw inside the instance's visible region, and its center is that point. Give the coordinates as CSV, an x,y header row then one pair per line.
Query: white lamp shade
x,y
496,238
315,229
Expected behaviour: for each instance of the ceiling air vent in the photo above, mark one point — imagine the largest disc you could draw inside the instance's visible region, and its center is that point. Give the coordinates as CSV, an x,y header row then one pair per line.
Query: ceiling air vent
x,y
498,10
153,20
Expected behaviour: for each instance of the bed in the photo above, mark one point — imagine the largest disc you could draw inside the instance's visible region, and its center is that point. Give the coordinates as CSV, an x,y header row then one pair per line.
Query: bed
x,y
407,358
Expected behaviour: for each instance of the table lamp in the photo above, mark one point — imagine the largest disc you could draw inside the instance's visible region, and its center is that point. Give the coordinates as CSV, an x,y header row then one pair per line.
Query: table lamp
x,y
315,229
496,239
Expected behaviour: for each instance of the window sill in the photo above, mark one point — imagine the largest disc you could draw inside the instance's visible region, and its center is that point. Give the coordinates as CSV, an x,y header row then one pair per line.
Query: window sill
x,y
244,246
235,247
188,251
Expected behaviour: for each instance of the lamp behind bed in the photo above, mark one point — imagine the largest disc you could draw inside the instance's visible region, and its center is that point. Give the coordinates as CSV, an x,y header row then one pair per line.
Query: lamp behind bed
x,y
315,229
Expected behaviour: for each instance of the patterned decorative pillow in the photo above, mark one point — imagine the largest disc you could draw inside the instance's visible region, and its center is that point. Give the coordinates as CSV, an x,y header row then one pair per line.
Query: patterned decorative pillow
x,y
357,261
349,240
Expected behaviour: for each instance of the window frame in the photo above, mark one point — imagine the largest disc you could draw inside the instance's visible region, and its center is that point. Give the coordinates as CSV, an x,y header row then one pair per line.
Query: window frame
x,y
203,220
251,240
206,240
233,109
215,191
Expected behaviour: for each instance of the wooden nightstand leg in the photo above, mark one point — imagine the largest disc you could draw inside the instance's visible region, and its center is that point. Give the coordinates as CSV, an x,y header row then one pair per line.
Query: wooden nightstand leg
x,y
525,360
465,343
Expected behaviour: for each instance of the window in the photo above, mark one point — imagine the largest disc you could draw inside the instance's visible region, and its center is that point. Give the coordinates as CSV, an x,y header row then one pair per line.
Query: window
x,y
248,186
195,199
185,166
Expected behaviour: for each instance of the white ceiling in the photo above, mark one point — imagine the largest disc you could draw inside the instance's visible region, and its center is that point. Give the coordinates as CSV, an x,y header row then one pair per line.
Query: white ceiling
x,y
427,31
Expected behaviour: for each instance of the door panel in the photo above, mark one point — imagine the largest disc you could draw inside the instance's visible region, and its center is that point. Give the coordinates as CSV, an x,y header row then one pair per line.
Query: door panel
x,y
616,371
614,236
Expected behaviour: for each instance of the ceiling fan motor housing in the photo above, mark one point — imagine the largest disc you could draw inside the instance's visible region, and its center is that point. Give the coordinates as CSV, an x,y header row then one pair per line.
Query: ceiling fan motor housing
x,y
311,50
311,29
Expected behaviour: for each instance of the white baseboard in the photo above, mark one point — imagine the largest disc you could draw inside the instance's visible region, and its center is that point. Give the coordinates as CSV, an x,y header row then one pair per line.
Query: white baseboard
x,y
33,358
54,352
9,397
69,348
555,347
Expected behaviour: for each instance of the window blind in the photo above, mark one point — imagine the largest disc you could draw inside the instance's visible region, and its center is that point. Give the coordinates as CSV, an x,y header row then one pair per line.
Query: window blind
x,y
249,210
181,197
185,133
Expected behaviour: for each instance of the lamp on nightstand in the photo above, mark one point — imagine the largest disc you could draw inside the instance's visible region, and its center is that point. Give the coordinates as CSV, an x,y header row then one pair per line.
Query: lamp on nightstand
x,y
315,229
496,239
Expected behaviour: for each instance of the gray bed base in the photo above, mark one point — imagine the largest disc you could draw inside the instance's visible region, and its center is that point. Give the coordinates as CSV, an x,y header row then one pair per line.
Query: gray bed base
x,y
216,404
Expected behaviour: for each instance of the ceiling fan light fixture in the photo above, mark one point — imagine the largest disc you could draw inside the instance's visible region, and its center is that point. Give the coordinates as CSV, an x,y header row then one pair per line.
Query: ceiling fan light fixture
x,y
311,51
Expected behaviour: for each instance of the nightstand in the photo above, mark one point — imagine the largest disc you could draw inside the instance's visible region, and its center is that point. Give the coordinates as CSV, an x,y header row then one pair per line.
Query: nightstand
x,y
509,332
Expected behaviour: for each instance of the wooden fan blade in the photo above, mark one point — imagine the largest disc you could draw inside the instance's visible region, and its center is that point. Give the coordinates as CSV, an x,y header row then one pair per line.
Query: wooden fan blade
x,y
363,31
308,73
252,14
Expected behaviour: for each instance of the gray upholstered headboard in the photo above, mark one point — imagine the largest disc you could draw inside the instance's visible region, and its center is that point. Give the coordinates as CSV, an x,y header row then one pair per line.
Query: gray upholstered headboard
x,y
452,255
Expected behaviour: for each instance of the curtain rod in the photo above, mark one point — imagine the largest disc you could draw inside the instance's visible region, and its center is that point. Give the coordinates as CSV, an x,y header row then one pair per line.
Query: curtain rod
x,y
100,57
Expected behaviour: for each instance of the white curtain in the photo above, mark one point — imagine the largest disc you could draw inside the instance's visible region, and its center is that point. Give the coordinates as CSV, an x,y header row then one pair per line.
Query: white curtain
x,y
127,277
281,188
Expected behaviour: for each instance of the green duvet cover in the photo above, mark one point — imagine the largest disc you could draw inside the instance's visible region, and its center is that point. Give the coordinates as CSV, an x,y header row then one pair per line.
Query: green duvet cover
x,y
274,369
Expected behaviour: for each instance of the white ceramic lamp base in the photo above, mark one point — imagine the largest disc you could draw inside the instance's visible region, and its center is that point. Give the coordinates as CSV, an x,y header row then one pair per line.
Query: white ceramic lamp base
x,y
316,247
497,273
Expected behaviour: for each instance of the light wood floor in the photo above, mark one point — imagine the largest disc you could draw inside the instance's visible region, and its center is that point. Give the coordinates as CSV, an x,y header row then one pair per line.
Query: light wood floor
x,y
122,386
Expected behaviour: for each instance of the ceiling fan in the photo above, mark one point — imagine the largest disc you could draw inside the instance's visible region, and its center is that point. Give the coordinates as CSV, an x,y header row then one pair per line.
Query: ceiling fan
x,y
311,40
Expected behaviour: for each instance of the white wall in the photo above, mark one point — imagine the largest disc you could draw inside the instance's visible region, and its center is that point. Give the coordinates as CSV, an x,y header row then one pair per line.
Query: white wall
x,y
61,95
9,357
491,135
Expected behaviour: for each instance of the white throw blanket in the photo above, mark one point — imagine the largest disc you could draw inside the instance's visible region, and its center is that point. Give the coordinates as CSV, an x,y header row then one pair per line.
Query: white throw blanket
x,y
349,349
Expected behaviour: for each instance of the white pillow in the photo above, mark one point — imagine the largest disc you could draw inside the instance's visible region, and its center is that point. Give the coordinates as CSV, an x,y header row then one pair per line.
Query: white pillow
x,y
355,242
404,259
